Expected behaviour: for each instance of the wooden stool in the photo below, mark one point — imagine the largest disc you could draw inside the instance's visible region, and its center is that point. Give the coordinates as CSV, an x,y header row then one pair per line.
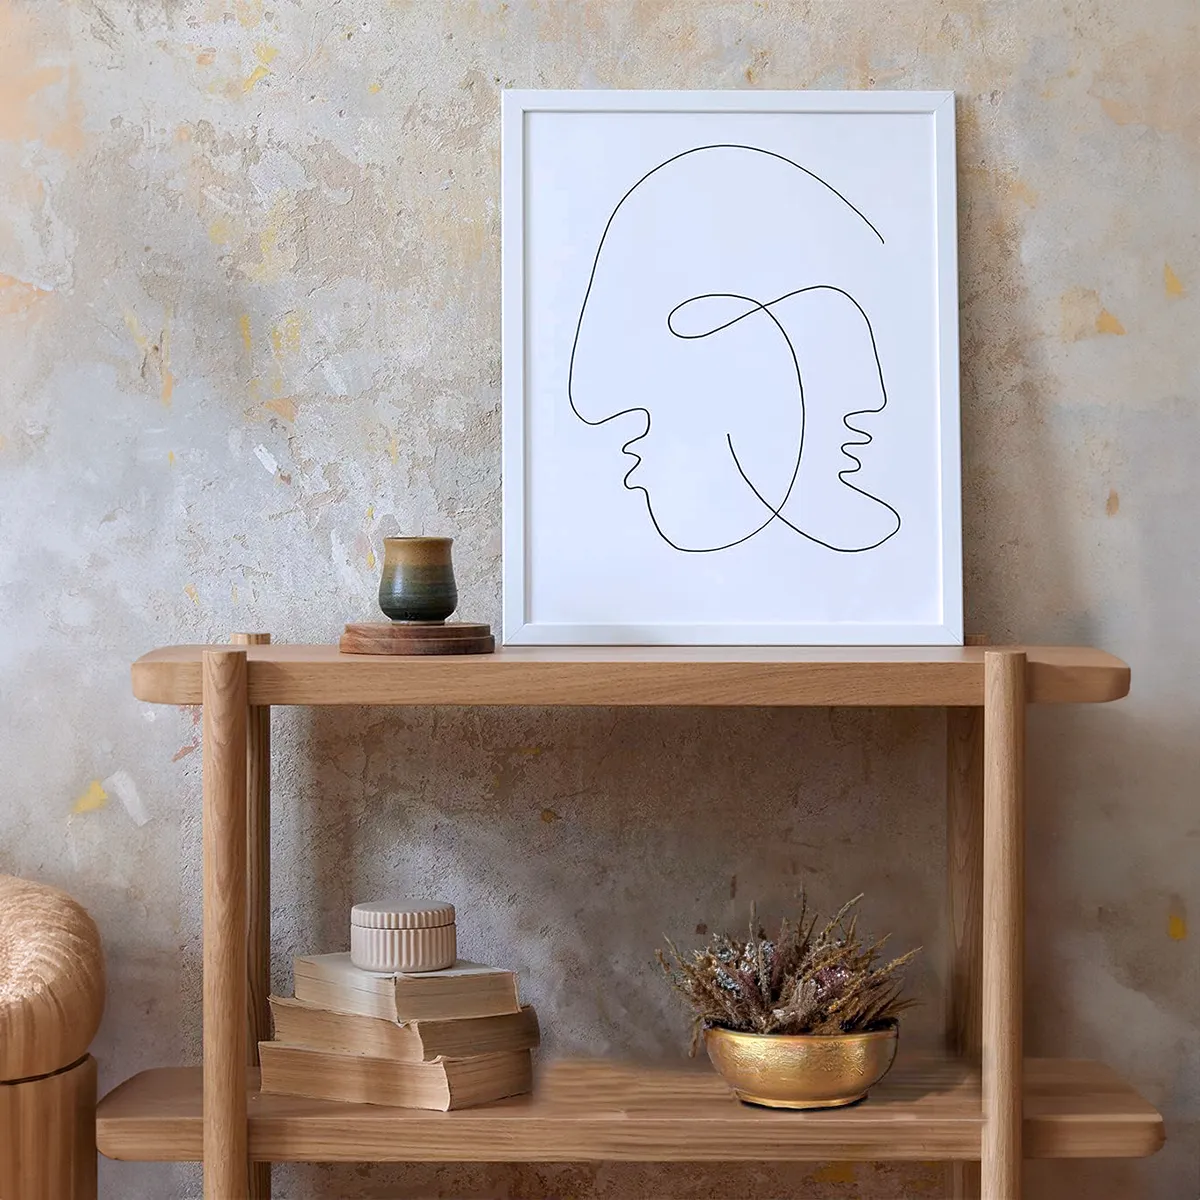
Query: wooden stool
x,y
51,1001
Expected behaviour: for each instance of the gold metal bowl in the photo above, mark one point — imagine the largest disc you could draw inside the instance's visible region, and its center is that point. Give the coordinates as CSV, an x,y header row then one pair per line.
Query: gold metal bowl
x,y
786,1071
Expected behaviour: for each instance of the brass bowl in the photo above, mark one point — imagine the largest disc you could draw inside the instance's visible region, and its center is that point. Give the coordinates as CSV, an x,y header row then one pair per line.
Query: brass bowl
x,y
786,1071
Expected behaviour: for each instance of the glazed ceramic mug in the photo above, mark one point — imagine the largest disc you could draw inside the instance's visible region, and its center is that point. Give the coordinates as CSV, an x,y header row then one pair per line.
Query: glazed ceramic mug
x,y
418,579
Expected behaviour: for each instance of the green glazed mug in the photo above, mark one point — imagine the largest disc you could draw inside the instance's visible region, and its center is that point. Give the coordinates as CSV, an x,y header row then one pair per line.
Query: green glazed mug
x,y
418,579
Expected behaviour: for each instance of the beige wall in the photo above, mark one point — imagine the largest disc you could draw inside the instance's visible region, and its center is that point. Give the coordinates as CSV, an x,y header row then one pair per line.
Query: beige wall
x,y
249,322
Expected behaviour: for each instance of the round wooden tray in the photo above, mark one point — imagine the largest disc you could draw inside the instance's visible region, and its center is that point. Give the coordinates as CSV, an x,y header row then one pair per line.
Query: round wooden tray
x,y
417,637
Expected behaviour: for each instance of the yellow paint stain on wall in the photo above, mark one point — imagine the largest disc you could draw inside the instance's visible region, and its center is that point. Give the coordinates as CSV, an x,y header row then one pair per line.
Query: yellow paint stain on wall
x,y
758,64
1146,95
206,57
192,594
140,340
16,295
1118,112
285,337
1113,504
244,327
285,342
259,72
371,560
1081,315
393,450
375,87
370,512
18,121
285,406
1176,919
95,797
1172,283
277,255
67,133
835,1173
170,458
26,115
265,56
220,232
249,13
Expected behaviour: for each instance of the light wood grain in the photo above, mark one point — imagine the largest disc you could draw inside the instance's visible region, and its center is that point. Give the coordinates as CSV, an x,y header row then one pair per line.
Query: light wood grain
x,y
258,863
1003,922
1071,1110
396,637
964,852
48,1135
258,890
962,1181
964,874
602,1111
600,675
226,1160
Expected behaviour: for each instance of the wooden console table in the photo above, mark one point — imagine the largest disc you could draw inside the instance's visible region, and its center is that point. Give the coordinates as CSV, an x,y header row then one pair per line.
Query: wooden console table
x,y
982,1108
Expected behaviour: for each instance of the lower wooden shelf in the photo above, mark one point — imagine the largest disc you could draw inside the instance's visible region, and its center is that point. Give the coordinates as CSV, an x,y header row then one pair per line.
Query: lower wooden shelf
x,y
605,1111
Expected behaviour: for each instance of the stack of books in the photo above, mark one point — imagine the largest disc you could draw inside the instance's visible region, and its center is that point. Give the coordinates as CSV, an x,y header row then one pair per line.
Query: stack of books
x,y
440,1039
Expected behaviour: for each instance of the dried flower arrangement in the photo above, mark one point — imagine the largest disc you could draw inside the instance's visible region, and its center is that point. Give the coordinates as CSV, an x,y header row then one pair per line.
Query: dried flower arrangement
x,y
805,980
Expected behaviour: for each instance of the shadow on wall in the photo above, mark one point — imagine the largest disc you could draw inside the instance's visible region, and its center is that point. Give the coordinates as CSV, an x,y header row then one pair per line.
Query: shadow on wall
x,y
1006,393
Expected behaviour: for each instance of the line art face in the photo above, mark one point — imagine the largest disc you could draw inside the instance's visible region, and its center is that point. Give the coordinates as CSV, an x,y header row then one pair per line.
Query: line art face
x,y
747,397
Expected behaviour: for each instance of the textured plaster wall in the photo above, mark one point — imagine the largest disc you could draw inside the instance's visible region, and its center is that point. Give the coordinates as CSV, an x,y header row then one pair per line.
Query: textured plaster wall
x,y
249,323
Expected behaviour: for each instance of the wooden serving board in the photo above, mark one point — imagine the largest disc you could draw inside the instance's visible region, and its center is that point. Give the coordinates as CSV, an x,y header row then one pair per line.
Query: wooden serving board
x,y
429,637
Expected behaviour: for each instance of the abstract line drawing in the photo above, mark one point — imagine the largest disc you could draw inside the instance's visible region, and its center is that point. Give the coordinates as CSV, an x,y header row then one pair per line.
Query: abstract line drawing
x,y
753,383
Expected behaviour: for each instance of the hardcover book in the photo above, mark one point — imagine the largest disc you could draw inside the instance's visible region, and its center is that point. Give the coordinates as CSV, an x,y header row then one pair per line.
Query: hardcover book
x,y
443,1084
300,1024
464,990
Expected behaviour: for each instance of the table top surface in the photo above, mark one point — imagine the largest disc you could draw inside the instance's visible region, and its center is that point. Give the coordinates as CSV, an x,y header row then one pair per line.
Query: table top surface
x,y
637,675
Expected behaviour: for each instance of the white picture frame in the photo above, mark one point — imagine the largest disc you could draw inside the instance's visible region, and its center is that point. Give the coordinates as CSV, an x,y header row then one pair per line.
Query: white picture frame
x,y
741,225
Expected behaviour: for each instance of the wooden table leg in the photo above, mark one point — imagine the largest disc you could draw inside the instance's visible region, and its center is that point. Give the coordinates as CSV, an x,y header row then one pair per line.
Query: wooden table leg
x,y
226,1162
1003,921
258,887
964,875
964,879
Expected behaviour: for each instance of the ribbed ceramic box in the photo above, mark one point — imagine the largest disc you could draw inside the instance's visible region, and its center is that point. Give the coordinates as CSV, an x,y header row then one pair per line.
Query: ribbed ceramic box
x,y
403,935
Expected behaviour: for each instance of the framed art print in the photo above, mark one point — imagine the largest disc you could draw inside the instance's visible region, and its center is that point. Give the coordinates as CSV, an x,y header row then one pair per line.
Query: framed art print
x,y
730,368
